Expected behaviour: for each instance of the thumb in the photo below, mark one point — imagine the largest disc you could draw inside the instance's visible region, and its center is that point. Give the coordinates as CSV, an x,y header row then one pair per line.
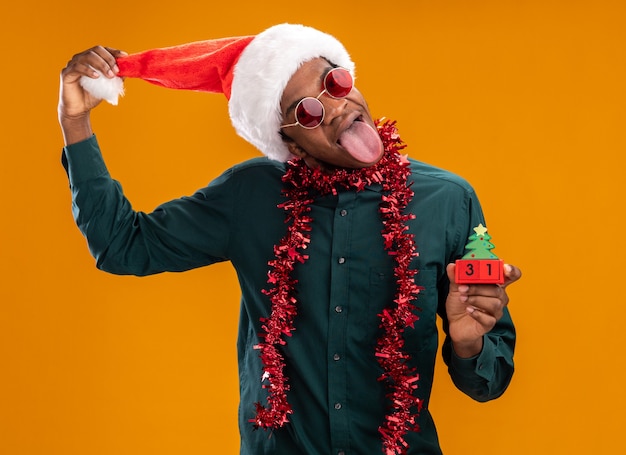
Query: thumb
x,y
511,274
451,270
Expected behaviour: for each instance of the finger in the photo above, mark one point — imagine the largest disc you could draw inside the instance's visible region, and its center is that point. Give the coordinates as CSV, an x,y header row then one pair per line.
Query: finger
x,y
486,320
116,52
95,62
111,56
489,305
103,60
511,274
80,68
451,270
482,290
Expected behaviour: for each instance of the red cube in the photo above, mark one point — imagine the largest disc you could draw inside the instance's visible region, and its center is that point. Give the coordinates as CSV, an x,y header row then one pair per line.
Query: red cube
x,y
479,271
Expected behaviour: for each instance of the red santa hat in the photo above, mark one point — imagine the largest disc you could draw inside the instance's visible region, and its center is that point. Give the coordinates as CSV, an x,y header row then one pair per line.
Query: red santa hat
x,y
251,71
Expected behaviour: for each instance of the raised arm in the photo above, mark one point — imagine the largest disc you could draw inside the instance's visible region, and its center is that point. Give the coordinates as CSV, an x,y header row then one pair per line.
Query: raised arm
x,y
181,234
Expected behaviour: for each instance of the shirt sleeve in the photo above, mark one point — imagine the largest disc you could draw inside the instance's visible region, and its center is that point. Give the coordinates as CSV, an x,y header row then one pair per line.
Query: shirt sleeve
x,y
179,235
487,375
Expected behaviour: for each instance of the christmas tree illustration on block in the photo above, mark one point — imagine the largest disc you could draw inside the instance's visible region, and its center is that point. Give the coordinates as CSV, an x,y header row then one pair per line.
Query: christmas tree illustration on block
x,y
479,265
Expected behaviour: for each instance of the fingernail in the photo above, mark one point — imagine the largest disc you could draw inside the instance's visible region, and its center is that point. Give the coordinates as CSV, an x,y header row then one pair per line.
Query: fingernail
x,y
470,309
110,73
463,298
507,268
463,288
116,69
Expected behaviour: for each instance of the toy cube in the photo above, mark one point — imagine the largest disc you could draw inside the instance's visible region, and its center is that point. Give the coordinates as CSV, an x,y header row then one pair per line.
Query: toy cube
x,y
479,271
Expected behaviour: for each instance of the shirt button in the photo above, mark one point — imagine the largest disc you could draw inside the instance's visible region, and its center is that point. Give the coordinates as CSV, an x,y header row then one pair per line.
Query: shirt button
x,y
338,309
343,212
342,260
337,406
336,357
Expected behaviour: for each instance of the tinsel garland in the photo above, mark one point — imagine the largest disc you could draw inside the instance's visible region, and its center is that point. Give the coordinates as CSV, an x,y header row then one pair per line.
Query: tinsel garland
x,y
302,182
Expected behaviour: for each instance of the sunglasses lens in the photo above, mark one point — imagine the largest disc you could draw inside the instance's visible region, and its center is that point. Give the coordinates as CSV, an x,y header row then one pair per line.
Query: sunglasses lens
x,y
338,83
309,112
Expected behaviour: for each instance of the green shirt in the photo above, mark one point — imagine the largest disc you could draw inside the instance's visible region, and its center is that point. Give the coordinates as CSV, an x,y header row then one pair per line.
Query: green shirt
x,y
337,401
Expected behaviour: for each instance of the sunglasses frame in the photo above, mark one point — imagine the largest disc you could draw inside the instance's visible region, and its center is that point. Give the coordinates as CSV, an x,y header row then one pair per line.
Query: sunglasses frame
x,y
317,98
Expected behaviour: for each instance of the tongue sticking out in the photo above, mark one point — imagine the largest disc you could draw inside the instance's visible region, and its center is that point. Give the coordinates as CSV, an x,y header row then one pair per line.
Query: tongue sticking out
x,y
362,143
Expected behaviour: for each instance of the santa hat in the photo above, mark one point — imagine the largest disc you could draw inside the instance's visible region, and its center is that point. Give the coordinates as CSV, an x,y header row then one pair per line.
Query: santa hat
x,y
251,71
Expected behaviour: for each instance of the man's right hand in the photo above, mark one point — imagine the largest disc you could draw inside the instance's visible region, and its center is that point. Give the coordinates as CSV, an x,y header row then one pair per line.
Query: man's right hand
x,y
75,103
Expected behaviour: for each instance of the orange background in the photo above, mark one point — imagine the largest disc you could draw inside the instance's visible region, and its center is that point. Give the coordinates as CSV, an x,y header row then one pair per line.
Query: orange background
x,y
523,98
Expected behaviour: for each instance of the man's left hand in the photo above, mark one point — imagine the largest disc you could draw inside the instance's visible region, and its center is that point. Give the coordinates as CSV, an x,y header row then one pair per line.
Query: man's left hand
x,y
474,309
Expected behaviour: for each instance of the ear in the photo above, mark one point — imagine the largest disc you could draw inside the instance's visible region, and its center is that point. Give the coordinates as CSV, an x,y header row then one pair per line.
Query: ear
x,y
295,149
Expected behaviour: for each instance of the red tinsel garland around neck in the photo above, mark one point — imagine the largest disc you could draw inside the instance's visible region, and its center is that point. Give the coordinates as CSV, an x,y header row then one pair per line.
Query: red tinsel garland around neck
x,y
302,182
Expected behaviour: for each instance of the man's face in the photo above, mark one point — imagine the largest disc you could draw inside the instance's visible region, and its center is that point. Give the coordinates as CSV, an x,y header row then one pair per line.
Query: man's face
x,y
322,146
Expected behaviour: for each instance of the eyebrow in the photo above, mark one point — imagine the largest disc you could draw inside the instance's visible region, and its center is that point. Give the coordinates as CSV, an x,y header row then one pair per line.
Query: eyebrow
x,y
293,105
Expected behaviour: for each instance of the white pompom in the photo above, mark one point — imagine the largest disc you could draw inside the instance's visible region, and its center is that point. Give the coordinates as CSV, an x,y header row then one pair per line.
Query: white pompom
x,y
103,87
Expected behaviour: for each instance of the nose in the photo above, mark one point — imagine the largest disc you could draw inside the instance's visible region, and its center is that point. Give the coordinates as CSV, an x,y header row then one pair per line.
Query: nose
x,y
334,107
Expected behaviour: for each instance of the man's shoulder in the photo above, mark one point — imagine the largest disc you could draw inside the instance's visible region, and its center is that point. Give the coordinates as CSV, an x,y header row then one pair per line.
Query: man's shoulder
x,y
254,170
259,164
427,174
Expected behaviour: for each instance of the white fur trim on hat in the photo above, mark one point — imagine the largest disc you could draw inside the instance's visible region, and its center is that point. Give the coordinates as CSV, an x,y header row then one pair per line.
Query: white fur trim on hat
x,y
262,73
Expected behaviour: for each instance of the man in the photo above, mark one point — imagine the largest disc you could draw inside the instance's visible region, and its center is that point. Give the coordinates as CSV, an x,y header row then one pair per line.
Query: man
x,y
337,338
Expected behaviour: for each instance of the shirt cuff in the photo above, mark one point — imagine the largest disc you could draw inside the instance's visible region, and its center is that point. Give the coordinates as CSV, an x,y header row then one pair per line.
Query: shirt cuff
x,y
482,365
83,161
